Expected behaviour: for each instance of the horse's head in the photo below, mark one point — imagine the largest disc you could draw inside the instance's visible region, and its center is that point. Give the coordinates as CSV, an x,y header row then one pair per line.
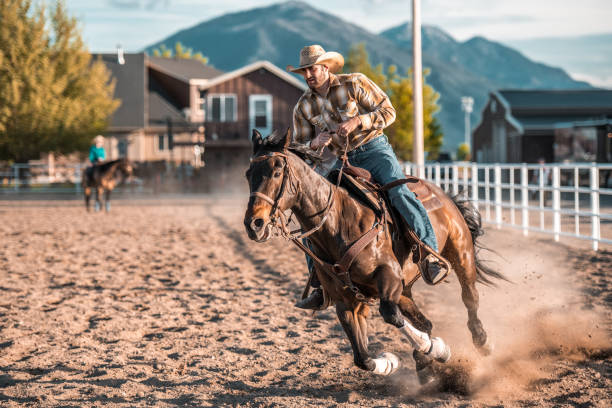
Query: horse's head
x,y
269,184
126,168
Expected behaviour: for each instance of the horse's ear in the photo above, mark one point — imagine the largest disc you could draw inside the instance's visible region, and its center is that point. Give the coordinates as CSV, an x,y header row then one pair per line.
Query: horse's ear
x,y
287,139
257,140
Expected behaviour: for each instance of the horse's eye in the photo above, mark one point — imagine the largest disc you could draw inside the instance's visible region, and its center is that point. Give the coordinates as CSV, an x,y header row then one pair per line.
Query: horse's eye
x,y
277,174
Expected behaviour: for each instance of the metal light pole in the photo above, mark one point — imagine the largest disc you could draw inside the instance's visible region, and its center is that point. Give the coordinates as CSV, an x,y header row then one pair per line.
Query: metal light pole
x,y
467,105
417,89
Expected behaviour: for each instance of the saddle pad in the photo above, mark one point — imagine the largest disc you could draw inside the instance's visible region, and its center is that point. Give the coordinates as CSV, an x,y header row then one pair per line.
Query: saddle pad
x,y
423,193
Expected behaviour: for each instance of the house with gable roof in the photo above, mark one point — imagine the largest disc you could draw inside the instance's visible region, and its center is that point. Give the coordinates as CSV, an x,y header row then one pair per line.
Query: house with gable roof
x,y
176,109
554,125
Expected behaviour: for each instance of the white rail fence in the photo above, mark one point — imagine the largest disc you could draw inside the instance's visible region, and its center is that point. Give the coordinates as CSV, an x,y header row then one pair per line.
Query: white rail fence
x,y
32,178
569,200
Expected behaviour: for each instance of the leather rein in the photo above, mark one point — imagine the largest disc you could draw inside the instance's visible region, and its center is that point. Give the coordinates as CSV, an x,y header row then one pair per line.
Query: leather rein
x,y
339,271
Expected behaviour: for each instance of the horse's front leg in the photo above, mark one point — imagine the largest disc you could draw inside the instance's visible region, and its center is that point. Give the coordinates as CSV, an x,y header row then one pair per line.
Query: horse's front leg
x,y
390,289
87,191
107,205
354,323
98,204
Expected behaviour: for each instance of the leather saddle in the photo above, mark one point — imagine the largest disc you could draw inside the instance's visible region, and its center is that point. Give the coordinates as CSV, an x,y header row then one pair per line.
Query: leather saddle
x,y
360,185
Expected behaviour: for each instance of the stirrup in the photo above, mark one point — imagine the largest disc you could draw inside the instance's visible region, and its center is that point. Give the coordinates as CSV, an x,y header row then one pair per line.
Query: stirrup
x,y
313,301
443,268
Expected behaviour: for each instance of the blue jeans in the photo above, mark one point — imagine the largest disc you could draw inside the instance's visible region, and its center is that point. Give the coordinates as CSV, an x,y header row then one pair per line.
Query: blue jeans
x,y
378,158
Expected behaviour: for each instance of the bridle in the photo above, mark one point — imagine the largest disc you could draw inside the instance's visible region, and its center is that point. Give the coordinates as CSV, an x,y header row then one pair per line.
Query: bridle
x,y
339,271
278,219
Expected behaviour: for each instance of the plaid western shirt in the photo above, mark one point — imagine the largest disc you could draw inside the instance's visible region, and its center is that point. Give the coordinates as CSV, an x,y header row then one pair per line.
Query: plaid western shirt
x,y
349,95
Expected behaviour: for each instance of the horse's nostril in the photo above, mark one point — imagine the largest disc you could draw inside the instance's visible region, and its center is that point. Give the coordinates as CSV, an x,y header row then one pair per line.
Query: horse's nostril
x,y
258,223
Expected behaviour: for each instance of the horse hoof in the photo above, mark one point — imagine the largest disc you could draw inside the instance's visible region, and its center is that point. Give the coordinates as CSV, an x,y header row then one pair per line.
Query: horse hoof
x,y
487,348
386,364
426,377
439,350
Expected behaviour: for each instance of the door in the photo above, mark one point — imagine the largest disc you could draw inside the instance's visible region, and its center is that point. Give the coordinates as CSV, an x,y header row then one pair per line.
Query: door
x,y
260,114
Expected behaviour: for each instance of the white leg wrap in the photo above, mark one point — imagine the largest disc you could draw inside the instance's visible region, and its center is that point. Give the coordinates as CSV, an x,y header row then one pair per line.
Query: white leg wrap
x,y
386,363
434,347
418,339
439,350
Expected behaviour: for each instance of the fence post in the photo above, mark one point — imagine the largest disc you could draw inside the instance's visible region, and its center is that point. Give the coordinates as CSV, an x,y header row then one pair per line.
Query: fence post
x,y
466,186
487,193
455,179
76,178
512,201
438,175
407,169
475,185
595,206
576,201
524,200
542,184
498,196
556,183
16,176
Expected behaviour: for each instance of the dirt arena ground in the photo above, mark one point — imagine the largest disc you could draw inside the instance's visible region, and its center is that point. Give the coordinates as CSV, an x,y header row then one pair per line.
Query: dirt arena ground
x,y
167,303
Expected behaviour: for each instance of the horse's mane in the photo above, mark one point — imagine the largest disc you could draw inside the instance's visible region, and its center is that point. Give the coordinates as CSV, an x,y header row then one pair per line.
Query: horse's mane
x,y
106,165
275,141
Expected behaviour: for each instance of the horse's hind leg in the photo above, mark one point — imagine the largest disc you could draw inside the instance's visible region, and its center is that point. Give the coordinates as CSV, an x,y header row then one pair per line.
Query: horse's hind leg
x,y
87,191
107,204
99,193
464,266
355,326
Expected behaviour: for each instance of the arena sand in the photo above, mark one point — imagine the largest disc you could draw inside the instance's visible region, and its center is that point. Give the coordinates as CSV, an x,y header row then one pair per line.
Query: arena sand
x,y
167,303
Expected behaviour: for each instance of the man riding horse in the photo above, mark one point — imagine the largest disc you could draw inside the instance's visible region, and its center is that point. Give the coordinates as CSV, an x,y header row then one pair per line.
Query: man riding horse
x,y
350,108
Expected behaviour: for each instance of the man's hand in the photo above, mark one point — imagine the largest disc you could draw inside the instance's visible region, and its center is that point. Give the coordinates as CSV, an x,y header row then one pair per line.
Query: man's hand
x,y
346,128
323,139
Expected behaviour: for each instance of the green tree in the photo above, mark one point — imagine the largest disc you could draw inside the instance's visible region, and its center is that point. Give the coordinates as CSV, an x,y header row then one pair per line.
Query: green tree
x,y
53,97
399,90
180,51
463,152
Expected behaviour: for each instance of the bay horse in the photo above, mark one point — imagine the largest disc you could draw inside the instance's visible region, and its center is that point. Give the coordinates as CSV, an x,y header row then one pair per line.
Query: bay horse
x,y
103,178
280,180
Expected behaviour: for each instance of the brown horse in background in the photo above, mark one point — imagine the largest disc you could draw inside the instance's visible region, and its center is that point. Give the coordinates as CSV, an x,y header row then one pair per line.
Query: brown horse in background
x,y
103,178
280,179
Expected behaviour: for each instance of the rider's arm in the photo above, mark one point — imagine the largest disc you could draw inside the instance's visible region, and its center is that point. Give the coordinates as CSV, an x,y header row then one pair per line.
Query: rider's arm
x,y
101,154
92,154
380,112
303,130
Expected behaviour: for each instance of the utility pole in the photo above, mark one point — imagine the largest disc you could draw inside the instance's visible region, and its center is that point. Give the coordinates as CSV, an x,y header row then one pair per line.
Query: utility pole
x,y
467,105
418,154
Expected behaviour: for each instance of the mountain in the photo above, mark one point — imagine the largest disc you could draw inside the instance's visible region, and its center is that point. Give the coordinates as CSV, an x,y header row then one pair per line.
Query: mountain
x,y
587,57
276,33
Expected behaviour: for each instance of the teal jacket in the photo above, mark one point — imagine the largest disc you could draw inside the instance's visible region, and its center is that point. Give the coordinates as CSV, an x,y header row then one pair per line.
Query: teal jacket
x,y
96,153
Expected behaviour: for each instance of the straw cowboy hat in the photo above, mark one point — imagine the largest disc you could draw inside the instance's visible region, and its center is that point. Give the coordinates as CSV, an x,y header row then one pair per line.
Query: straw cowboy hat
x,y
315,54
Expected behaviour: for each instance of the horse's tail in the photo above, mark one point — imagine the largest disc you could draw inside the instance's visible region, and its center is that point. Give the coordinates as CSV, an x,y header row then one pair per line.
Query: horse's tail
x,y
474,222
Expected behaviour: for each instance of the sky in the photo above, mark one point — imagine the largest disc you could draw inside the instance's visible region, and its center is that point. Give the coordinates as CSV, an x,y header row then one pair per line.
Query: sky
x,y
137,23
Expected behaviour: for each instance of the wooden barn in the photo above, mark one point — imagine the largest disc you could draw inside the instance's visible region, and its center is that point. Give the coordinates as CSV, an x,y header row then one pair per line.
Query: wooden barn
x,y
258,96
555,125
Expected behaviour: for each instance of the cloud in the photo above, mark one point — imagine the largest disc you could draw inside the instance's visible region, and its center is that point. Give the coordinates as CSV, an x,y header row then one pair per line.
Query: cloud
x,y
138,4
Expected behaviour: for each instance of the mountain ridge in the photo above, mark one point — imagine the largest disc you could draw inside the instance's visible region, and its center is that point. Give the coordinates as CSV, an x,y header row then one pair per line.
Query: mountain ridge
x,y
276,33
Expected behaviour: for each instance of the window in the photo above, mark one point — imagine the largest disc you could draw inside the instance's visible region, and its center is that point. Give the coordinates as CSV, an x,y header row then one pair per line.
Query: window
x,y
222,108
122,147
160,142
261,116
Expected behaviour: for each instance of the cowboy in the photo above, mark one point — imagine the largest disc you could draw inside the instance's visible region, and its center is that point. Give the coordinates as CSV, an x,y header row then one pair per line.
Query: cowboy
x,y
351,108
